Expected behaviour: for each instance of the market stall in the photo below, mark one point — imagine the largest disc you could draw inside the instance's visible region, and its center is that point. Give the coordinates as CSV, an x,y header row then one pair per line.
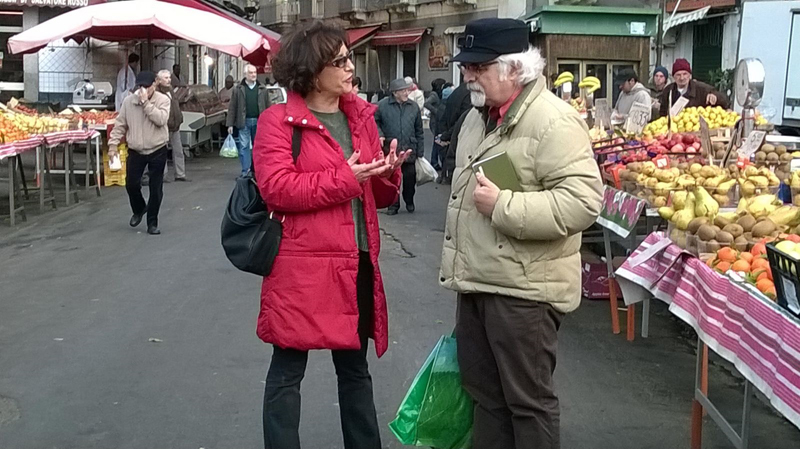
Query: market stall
x,y
202,111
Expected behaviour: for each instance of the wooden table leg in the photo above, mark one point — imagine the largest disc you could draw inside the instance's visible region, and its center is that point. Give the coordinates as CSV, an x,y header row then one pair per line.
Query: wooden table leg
x,y
612,291
631,322
697,425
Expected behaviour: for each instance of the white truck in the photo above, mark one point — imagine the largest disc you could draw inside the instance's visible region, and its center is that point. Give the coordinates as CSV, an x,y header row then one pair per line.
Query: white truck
x,y
770,31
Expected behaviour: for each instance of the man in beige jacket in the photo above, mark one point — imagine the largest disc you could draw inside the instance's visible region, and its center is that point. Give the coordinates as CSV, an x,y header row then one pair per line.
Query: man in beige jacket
x,y
513,255
142,122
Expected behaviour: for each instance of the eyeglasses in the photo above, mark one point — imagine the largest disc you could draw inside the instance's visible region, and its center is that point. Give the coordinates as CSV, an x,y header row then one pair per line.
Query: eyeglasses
x,y
478,69
341,61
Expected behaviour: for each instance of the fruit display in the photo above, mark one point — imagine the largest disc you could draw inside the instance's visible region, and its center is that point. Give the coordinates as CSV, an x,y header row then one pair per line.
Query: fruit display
x,y
33,124
755,181
676,143
90,117
752,265
590,83
10,131
578,104
564,77
688,120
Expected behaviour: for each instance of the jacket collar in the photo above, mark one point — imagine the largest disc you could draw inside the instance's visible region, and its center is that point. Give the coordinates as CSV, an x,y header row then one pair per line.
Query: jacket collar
x,y
531,91
691,90
392,99
355,109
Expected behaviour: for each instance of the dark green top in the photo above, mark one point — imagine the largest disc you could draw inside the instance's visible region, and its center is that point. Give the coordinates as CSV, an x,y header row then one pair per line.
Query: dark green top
x,y
336,124
251,101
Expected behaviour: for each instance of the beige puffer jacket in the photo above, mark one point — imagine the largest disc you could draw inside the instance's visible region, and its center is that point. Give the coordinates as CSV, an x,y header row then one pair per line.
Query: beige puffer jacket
x,y
529,248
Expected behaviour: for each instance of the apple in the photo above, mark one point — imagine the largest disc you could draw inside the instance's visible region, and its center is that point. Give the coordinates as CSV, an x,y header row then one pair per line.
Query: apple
x,y
691,149
688,139
696,145
677,148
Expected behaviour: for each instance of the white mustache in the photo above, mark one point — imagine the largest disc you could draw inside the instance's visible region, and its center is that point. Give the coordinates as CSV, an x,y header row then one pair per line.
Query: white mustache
x,y
475,87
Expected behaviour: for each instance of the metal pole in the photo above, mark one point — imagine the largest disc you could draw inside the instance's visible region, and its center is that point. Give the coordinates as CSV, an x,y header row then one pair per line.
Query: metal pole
x,y
662,7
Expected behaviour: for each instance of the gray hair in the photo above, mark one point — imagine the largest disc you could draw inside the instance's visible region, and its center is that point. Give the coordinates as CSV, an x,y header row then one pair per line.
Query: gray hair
x,y
247,66
529,64
163,73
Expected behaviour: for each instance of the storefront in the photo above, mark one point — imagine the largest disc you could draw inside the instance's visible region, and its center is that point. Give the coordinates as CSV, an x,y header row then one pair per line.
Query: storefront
x,y
594,41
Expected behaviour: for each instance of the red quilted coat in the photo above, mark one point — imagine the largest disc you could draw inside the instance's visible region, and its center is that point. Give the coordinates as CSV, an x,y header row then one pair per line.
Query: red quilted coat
x,y
309,299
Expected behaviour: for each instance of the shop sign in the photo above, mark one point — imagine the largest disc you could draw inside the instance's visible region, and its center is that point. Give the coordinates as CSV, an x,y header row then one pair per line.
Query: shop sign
x,y
439,53
620,212
52,3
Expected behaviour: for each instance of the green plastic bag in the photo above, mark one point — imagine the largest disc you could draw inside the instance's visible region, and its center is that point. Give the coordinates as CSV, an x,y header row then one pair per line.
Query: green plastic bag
x,y
436,411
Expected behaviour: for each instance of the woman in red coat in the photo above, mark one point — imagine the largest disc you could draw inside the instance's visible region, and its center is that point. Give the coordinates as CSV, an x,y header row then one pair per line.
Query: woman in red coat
x,y
325,290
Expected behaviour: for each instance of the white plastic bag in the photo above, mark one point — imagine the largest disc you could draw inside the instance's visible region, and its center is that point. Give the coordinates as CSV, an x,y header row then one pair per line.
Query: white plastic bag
x,y
425,171
229,148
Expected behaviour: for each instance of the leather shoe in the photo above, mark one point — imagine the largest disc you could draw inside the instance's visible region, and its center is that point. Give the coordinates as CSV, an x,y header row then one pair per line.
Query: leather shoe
x,y
135,220
410,208
391,212
152,230
184,179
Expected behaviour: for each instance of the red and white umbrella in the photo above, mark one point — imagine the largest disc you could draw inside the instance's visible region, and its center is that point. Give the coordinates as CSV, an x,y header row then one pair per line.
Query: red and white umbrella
x,y
145,19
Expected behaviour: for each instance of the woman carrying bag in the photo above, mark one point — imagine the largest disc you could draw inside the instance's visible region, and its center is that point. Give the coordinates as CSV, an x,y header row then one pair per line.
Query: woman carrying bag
x,y
325,289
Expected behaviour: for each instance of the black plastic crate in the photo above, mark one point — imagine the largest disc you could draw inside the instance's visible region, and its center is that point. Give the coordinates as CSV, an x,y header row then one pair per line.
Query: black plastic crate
x,y
786,273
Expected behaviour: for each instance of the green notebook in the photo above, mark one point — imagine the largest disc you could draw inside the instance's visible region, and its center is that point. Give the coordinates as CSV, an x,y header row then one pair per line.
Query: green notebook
x,y
499,170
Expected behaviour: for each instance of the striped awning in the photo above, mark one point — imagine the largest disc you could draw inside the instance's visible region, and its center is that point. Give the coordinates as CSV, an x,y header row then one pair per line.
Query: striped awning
x,y
398,37
686,17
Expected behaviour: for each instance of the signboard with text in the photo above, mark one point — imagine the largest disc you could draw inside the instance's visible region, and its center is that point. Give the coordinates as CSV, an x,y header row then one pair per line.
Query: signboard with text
x,y
52,3
620,212
637,119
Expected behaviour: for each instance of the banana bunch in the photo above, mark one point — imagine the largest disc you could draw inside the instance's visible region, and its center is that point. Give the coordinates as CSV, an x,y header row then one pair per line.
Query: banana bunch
x,y
590,83
565,77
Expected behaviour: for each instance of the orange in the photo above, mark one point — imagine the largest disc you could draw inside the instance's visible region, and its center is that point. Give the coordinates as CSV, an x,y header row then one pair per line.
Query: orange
x,y
747,256
764,284
727,255
759,249
759,263
723,266
741,265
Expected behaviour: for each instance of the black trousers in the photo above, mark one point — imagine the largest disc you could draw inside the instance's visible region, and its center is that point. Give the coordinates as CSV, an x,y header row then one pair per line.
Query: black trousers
x,y
409,185
155,163
507,354
356,405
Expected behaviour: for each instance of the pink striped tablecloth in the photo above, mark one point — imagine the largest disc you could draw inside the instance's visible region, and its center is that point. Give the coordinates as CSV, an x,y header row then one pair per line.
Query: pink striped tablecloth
x,y
72,136
735,320
19,147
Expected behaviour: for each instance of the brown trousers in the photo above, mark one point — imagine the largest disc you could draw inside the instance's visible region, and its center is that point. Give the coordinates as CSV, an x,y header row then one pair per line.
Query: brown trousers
x,y
507,354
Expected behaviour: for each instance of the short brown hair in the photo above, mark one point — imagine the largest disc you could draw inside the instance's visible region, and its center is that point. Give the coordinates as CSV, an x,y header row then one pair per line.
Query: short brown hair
x,y
304,53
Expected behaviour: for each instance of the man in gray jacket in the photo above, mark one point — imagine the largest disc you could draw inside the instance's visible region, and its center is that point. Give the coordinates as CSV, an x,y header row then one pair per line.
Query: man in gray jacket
x,y
248,101
632,91
142,121
399,118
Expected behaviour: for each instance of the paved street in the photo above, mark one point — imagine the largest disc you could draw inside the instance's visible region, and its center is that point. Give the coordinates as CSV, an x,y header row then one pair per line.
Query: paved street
x,y
110,338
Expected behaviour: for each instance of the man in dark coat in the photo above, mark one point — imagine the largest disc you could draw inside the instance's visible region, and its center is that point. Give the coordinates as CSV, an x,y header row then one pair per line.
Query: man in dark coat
x,y
400,118
457,104
697,92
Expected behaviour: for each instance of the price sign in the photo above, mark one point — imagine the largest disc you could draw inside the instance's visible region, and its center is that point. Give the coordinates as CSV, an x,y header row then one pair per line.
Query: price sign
x,y
752,144
678,106
602,111
637,119
661,161
705,139
620,211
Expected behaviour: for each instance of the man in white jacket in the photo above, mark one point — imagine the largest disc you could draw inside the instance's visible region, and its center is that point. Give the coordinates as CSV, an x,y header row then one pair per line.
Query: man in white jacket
x,y
126,80
415,95
632,91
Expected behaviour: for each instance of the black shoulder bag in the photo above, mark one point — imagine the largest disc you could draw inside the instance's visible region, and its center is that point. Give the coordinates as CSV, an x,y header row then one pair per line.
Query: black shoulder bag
x,y
251,235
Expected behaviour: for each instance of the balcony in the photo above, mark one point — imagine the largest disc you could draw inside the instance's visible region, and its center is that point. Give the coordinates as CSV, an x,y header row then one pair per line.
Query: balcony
x,y
312,9
354,11
279,12
403,8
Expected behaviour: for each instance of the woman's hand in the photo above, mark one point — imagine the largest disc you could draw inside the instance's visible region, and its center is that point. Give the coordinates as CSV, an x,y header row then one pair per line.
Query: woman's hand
x,y
363,172
392,160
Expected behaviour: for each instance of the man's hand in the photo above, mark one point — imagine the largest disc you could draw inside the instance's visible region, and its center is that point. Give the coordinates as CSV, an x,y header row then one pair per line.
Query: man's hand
x,y
363,172
485,195
393,160
230,130
711,99
112,151
142,92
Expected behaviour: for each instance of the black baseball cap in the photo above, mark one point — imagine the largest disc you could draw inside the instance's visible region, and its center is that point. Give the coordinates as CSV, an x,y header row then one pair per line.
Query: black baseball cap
x,y
626,74
145,78
486,39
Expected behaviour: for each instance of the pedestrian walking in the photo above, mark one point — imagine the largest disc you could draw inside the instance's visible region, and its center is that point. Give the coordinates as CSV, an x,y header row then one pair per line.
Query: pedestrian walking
x,y
399,118
513,256
164,83
142,121
325,289
248,100
433,104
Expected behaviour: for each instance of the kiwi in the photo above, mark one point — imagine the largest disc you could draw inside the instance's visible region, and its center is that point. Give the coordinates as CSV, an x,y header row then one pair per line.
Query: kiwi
x,y
716,228
761,156
748,236
764,229
695,224
773,157
785,157
768,148
724,237
734,229
721,221
712,246
740,243
775,234
719,154
706,233
746,222
781,150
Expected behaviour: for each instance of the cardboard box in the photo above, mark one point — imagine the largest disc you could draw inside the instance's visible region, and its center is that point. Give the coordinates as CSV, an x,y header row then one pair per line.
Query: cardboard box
x,y
594,276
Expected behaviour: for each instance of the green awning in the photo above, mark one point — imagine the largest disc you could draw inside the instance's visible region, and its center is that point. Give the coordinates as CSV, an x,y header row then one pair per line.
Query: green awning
x,y
594,20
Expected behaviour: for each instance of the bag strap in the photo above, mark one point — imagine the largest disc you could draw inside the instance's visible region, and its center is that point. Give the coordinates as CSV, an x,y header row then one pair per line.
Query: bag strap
x,y
297,135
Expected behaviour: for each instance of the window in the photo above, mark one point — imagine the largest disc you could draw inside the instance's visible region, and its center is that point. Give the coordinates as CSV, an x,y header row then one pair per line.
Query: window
x,y
603,70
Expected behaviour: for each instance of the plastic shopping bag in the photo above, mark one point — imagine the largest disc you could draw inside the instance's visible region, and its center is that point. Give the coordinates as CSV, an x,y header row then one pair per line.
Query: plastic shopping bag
x,y
425,171
229,148
436,411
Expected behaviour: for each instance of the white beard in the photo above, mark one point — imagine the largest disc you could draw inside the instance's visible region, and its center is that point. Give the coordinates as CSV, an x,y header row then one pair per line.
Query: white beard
x,y
476,95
